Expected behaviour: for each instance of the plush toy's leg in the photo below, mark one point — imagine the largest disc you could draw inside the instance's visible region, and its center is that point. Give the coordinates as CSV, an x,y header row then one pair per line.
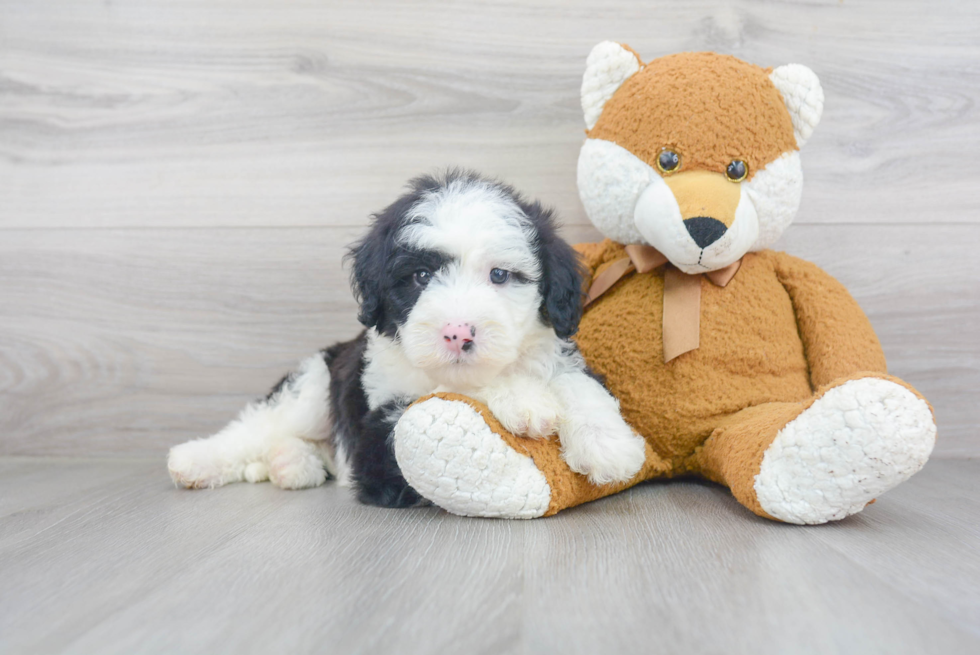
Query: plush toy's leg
x,y
824,459
455,454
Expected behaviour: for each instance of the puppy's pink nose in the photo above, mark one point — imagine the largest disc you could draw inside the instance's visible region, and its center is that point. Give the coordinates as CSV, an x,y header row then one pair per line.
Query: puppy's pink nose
x,y
458,337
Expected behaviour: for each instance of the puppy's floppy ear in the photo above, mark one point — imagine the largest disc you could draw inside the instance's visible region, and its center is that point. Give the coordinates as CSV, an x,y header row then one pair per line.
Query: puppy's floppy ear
x,y
368,257
371,256
561,274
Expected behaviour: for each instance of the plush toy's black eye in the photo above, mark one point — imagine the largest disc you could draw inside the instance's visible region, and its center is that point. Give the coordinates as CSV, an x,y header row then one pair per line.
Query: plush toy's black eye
x,y
737,170
499,276
422,277
668,161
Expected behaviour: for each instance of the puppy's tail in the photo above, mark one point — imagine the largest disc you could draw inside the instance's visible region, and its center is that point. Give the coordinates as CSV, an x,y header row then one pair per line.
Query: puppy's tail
x,y
284,437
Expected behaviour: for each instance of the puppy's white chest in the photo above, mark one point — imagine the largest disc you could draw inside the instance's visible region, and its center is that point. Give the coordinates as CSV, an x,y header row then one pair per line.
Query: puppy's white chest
x,y
389,375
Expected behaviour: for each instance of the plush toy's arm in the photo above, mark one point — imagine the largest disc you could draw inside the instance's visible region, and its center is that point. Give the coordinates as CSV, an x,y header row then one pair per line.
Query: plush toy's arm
x,y
837,337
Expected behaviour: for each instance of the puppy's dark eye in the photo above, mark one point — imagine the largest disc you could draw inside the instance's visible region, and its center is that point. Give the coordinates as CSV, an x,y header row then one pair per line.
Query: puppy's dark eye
x,y
668,161
422,277
499,276
737,170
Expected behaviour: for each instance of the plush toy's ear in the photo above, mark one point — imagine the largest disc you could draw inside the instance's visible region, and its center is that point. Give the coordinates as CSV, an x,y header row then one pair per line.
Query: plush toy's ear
x,y
608,66
803,97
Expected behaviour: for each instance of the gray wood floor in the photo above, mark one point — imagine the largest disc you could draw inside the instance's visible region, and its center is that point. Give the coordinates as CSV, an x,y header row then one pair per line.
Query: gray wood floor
x,y
105,556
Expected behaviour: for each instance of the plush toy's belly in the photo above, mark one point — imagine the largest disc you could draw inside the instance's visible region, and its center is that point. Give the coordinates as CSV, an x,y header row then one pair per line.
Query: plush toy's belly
x,y
750,353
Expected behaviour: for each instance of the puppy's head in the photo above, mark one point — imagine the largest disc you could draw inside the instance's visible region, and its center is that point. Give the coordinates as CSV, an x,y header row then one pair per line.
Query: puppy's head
x,y
466,276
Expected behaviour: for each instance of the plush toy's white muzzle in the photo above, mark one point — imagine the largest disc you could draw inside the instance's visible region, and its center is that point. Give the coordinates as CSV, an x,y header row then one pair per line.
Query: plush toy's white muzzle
x,y
695,239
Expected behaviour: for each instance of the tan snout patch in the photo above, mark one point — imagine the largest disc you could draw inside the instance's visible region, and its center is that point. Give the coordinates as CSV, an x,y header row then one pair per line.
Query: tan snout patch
x,y
703,193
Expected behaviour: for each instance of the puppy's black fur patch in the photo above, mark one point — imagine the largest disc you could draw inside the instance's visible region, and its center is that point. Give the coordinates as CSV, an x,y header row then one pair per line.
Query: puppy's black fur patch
x,y
363,434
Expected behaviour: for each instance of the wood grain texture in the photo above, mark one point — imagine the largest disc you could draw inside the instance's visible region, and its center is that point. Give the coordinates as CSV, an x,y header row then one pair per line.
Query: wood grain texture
x,y
254,112
106,556
177,180
129,341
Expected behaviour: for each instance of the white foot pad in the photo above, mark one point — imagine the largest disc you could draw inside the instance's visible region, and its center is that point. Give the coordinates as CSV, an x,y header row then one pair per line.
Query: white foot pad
x,y
448,453
852,445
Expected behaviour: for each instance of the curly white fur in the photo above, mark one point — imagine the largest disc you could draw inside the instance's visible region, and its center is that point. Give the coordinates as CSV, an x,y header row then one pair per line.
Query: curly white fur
x,y
281,439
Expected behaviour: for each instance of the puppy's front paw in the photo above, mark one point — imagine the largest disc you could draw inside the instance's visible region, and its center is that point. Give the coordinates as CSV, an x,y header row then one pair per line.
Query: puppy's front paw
x,y
527,412
606,453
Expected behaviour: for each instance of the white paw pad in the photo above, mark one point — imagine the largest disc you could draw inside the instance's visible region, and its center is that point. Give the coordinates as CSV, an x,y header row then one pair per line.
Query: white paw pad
x,y
449,454
853,444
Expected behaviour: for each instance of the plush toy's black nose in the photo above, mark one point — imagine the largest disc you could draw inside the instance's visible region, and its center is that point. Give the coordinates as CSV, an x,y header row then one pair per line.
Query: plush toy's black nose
x,y
705,230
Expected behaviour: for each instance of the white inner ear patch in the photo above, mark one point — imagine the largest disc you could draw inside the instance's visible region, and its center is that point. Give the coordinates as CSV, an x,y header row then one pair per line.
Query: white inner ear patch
x,y
608,66
803,97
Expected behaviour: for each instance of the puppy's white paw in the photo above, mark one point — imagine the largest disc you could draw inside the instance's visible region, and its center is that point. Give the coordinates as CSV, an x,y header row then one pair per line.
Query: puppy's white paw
x,y
198,465
605,451
530,421
531,415
294,464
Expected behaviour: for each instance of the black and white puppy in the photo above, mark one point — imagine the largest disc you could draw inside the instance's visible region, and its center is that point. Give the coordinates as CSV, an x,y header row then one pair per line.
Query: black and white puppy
x,y
463,286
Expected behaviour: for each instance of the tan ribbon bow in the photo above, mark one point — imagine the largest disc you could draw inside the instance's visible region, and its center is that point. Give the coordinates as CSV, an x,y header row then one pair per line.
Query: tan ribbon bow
x,y
682,294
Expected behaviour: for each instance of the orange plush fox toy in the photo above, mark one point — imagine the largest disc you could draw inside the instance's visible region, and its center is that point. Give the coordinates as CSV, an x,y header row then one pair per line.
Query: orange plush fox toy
x,y
746,366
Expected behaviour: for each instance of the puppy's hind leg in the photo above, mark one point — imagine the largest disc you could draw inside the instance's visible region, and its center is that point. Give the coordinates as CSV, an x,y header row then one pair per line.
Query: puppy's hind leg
x,y
282,438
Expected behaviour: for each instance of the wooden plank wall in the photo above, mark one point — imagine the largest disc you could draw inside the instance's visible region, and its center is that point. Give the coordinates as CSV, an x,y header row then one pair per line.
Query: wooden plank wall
x,y
178,180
